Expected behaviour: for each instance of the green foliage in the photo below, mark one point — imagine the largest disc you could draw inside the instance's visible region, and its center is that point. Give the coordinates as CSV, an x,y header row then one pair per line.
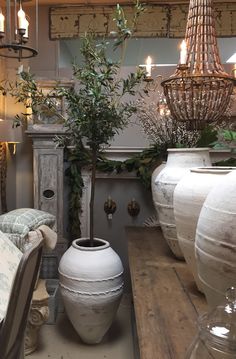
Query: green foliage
x,y
142,164
231,162
77,159
96,108
217,139
124,31
26,91
226,139
229,135
145,163
207,138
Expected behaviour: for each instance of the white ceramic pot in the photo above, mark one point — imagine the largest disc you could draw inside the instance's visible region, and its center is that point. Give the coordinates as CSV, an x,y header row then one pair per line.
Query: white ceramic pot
x,y
215,242
179,161
189,196
91,284
155,173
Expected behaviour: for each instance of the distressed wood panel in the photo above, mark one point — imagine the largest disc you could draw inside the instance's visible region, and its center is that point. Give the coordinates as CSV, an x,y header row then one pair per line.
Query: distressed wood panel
x,y
48,176
123,2
158,20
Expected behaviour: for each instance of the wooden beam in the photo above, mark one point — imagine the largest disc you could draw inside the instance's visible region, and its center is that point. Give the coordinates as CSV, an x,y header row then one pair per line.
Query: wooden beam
x,y
157,21
122,2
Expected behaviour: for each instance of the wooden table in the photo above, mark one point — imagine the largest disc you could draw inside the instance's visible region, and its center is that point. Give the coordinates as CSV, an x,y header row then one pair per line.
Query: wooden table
x,y
166,301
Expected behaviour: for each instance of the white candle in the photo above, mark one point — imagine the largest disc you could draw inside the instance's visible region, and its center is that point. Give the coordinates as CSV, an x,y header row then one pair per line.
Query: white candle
x,y
20,69
183,53
234,71
2,19
21,19
26,27
148,66
162,109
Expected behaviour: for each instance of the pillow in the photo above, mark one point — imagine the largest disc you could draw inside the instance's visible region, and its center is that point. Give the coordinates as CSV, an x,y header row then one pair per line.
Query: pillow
x,y
10,257
18,241
21,221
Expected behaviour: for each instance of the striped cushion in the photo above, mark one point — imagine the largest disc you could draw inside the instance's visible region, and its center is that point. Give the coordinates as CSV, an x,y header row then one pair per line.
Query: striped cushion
x,y
10,257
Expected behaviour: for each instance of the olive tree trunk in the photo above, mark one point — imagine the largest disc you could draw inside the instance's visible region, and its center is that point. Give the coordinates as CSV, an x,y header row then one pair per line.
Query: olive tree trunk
x,y
92,196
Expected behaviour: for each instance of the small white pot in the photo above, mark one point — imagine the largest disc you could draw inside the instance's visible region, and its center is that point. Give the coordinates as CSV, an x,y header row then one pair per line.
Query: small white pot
x,y
91,283
179,161
189,196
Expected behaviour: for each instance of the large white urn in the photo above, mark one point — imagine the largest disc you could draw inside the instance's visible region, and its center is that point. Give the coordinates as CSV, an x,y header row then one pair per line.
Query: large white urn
x,y
189,196
179,161
215,242
91,284
155,173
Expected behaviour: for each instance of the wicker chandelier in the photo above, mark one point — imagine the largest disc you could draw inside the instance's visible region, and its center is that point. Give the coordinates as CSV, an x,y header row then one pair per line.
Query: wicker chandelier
x,y
199,91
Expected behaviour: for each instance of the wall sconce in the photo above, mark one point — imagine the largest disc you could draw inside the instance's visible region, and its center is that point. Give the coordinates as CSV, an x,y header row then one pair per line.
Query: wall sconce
x,y
12,136
133,208
153,85
109,207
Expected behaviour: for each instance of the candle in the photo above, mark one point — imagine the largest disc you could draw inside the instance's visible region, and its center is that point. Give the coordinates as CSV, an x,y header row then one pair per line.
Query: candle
x,y
20,69
149,66
234,71
21,19
2,19
26,27
163,108
183,53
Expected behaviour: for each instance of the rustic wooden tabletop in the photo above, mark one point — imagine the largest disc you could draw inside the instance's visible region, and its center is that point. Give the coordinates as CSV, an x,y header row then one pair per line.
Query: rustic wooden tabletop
x,y
166,300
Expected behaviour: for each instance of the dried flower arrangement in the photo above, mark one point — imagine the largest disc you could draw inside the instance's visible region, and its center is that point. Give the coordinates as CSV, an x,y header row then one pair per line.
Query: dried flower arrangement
x,y
162,129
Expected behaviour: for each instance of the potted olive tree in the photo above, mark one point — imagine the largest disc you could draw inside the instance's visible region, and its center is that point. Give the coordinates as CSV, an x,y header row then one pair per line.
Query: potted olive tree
x,y
97,107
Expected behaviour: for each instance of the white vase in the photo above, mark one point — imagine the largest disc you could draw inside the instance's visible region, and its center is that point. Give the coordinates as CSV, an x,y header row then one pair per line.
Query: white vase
x,y
91,284
215,242
189,196
179,161
155,173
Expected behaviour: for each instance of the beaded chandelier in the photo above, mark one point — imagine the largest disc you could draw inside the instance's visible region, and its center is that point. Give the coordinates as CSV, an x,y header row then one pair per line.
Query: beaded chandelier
x,y
199,91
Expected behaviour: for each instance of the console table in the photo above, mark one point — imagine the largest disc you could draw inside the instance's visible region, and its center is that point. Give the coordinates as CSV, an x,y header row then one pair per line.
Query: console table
x,y
166,301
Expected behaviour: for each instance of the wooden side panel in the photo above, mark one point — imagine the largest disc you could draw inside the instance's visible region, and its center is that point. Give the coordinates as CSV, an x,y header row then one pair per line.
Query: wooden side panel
x,y
48,184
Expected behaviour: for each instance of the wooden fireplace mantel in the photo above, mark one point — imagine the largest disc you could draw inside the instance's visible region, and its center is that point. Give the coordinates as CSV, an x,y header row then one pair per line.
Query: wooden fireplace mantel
x,y
166,301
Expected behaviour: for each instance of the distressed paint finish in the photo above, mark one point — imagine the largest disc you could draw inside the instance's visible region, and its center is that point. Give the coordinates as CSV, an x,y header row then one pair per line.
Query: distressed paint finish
x,y
225,19
48,176
122,2
157,21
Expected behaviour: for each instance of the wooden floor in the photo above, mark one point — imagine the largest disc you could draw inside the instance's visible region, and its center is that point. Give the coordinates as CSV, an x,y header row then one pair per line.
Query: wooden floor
x,y
166,301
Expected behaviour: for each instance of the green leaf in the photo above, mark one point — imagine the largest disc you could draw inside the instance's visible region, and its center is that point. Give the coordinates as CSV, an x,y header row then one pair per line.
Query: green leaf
x,y
207,138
